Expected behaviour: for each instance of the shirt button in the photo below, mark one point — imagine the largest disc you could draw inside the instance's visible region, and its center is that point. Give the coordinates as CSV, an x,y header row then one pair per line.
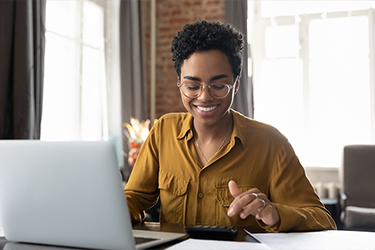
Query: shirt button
x,y
200,195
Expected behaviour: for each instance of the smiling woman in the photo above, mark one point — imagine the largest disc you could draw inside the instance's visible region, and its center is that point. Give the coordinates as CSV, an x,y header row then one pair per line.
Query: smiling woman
x,y
213,165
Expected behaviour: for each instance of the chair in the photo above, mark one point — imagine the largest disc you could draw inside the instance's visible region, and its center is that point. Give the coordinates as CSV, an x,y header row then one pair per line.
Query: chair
x,y
357,177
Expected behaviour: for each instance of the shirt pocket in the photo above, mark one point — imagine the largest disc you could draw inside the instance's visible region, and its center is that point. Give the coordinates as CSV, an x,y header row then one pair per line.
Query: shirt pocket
x,y
173,196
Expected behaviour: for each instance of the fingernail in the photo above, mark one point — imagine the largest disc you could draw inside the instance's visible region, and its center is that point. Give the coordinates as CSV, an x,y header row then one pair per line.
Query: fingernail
x,y
242,215
230,212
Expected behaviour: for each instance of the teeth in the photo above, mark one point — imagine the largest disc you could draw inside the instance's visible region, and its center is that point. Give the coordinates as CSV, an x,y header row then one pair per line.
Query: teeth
x,y
206,109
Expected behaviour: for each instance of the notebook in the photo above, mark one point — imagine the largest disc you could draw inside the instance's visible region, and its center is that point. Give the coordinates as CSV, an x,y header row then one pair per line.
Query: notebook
x,y
67,194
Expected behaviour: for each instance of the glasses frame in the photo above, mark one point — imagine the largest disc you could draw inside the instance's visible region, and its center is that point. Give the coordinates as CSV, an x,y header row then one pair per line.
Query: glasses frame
x,y
179,85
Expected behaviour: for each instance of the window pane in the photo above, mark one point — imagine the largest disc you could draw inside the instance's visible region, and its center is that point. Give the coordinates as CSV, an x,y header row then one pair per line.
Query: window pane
x,y
93,21
286,8
339,109
92,92
336,94
61,17
279,97
281,8
339,89
74,84
286,44
339,38
59,120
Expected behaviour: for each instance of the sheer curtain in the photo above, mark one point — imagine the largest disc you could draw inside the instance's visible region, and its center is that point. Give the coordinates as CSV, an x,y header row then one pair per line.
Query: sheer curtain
x,y
133,93
236,14
22,45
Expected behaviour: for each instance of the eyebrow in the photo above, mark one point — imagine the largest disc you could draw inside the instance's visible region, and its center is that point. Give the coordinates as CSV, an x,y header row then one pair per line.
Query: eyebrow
x,y
218,77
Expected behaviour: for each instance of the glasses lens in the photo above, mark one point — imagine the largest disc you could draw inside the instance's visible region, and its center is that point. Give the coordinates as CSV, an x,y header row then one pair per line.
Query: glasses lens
x,y
219,90
191,90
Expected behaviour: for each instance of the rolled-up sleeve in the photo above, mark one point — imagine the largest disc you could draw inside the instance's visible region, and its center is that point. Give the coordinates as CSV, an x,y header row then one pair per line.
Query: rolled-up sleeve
x,y
299,207
142,188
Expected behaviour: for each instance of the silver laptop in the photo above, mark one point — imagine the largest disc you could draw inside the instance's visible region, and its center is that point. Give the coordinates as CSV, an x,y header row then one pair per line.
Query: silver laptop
x,y
67,194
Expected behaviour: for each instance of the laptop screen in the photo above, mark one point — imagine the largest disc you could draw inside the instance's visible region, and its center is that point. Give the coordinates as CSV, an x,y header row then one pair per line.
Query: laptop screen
x,y
63,193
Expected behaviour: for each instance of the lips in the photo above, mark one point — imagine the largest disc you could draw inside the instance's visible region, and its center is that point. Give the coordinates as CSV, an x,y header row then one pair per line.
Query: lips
x,y
207,109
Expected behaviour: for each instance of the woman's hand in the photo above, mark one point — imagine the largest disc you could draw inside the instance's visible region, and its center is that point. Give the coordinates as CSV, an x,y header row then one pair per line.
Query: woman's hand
x,y
252,202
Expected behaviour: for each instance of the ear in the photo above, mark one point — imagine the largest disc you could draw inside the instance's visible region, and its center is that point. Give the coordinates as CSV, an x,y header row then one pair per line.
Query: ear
x,y
237,84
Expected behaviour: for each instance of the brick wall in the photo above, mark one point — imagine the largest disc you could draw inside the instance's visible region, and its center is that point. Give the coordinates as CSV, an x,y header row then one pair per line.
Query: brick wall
x,y
171,16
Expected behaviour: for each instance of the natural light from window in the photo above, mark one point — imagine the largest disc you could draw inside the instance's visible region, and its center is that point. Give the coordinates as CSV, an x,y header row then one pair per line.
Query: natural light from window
x,y
74,100
312,75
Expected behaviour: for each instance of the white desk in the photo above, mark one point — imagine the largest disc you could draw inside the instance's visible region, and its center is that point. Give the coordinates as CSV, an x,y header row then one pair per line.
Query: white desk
x,y
324,240
327,240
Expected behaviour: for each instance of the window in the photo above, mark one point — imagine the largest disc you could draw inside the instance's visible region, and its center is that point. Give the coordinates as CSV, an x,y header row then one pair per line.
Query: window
x,y
314,74
74,101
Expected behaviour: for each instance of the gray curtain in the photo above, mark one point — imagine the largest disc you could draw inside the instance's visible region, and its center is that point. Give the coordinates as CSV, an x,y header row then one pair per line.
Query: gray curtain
x,y
133,93
22,45
236,14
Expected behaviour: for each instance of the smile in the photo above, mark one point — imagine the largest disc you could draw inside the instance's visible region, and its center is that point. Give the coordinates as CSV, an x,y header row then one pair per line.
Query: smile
x,y
206,109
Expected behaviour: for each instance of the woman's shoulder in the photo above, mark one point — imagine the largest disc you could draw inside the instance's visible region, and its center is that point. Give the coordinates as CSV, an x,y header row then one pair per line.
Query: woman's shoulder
x,y
172,118
172,121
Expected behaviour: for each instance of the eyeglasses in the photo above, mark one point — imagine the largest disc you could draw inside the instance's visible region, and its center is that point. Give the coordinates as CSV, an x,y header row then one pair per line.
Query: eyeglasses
x,y
194,90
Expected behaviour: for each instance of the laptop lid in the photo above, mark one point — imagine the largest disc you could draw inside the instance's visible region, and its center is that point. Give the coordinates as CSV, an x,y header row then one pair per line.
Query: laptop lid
x,y
64,193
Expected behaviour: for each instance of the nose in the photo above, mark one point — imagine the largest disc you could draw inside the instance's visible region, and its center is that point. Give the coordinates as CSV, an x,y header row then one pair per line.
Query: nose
x,y
205,93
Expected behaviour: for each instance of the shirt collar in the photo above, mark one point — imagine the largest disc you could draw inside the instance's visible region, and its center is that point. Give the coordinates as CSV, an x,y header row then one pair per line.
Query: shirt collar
x,y
239,127
186,129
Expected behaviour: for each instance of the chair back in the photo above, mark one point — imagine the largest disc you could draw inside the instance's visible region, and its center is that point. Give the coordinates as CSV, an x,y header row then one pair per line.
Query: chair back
x,y
357,175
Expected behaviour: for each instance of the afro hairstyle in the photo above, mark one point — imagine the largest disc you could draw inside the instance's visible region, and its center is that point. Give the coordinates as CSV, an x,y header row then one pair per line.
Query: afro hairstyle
x,y
203,36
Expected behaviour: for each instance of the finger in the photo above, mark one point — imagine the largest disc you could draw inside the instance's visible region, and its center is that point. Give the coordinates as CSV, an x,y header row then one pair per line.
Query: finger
x,y
233,189
240,203
253,208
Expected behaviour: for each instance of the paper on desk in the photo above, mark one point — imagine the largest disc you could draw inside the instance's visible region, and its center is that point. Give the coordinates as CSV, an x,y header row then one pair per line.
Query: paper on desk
x,y
216,245
323,240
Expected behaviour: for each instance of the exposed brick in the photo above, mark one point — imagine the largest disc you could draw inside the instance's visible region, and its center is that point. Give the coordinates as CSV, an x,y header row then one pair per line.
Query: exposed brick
x,y
213,2
197,3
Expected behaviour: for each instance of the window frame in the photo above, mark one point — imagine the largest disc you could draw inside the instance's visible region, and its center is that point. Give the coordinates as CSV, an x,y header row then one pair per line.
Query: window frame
x,y
80,44
258,30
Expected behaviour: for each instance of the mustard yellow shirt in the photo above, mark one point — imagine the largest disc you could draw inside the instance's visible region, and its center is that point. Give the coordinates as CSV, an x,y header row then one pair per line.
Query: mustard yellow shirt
x,y
257,156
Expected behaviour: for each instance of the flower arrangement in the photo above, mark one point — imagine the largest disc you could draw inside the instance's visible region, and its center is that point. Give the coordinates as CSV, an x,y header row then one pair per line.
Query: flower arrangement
x,y
136,132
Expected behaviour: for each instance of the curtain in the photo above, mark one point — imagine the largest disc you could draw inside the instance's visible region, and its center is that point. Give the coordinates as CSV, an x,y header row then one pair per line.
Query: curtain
x,y
133,93
236,14
22,45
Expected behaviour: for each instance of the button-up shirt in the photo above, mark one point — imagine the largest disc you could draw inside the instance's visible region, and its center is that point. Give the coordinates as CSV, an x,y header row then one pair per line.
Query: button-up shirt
x,y
257,156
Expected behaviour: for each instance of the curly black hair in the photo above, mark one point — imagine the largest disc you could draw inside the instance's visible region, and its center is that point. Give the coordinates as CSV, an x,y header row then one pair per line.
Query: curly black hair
x,y
203,36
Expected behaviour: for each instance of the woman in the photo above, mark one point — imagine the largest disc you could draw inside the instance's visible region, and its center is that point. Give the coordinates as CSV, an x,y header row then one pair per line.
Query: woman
x,y
212,165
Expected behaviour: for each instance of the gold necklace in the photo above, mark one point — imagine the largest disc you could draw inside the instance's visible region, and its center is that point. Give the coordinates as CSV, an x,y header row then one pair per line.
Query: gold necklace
x,y
200,151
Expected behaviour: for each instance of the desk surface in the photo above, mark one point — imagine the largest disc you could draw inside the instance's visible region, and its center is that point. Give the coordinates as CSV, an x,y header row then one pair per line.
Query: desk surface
x,y
332,240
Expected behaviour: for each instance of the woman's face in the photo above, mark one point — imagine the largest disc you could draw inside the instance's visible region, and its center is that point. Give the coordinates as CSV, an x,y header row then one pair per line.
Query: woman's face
x,y
206,67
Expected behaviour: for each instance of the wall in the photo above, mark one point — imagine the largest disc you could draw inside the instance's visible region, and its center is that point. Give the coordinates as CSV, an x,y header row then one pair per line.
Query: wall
x,y
323,179
171,16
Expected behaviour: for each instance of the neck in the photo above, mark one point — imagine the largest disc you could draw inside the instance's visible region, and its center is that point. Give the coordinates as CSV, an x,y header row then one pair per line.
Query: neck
x,y
207,145
209,132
